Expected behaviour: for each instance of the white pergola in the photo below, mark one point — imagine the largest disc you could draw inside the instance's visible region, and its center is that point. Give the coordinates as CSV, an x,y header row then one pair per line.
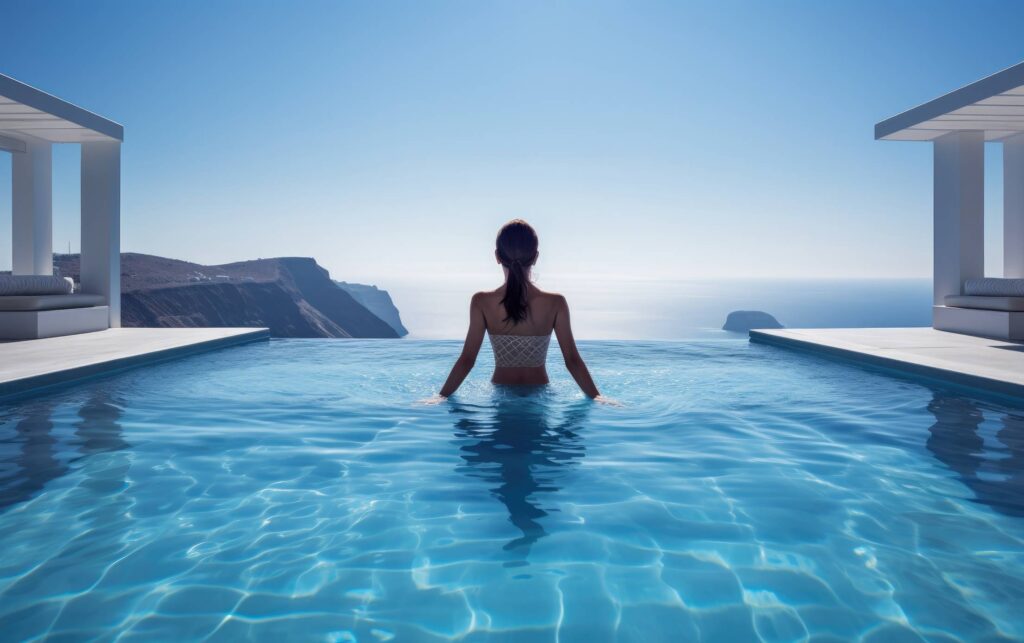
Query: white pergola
x,y
31,122
958,125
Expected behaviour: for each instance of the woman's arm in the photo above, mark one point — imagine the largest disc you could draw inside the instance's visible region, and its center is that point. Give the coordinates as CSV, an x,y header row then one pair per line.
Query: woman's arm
x,y
577,367
474,337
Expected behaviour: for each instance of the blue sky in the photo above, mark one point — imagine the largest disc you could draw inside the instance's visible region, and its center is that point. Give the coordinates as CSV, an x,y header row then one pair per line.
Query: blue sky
x,y
390,140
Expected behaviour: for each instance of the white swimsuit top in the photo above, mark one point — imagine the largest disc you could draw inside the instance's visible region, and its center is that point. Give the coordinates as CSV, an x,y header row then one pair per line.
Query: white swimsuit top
x,y
519,350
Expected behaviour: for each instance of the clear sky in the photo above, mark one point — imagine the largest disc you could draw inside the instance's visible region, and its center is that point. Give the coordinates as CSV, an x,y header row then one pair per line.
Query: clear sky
x,y
390,139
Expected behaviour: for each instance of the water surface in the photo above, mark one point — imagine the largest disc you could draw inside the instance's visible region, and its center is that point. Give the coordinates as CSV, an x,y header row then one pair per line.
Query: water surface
x,y
295,490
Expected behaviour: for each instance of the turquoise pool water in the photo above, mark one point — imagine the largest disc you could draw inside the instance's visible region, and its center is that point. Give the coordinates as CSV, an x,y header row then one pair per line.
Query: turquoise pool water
x,y
294,490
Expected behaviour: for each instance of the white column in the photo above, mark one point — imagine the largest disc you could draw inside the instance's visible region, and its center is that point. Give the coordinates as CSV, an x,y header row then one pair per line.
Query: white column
x,y
1013,207
959,203
32,209
101,223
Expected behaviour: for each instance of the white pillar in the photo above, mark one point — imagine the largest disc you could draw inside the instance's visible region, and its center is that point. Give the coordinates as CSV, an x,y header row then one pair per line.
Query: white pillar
x,y
959,203
101,223
32,209
1013,207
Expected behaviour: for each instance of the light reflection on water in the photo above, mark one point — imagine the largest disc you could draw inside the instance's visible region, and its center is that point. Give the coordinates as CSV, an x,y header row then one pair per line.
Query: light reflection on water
x,y
993,468
521,452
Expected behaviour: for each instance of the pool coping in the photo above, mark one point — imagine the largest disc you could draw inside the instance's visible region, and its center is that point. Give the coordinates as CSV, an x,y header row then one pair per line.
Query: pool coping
x,y
832,343
197,342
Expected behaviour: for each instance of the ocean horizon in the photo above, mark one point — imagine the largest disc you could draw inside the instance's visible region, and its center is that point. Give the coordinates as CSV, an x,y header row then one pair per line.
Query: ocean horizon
x,y
436,308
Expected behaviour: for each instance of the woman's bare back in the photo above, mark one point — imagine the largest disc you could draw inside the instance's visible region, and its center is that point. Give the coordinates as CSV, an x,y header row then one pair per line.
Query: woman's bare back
x,y
542,311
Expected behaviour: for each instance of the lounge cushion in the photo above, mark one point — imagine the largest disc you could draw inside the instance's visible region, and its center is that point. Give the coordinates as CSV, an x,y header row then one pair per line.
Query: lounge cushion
x,y
1011,304
994,287
34,285
49,302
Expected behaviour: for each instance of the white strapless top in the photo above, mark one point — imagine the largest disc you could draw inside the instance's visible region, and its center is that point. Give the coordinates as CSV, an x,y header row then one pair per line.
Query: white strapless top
x,y
520,350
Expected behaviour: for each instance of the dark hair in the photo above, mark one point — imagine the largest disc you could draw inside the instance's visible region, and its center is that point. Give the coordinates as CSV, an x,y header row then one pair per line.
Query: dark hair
x,y
517,250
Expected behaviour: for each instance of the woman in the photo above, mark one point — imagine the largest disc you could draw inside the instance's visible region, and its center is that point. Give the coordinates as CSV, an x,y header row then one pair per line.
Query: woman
x,y
519,318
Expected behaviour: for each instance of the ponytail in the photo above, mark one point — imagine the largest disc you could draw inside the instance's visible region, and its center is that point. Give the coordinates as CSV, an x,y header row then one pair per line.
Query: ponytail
x,y
517,251
514,300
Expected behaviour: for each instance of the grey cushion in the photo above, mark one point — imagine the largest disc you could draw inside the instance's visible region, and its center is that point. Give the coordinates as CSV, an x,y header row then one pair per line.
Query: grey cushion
x,y
34,285
1012,304
49,302
994,287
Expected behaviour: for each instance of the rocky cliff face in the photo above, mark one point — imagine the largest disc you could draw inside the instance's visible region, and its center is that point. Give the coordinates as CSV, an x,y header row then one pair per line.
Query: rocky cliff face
x,y
293,297
378,302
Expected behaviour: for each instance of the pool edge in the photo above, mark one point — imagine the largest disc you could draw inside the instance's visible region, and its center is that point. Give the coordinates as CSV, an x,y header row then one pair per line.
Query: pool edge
x,y
975,384
36,384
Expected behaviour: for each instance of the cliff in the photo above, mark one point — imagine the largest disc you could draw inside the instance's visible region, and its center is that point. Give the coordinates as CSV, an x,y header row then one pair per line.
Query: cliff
x,y
293,297
378,302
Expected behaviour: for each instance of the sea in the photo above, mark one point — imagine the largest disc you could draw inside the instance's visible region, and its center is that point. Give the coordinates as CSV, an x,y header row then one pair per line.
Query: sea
x,y
619,308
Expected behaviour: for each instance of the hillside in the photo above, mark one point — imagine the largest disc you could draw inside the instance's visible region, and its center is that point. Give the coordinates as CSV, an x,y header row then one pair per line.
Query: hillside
x,y
292,296
378,302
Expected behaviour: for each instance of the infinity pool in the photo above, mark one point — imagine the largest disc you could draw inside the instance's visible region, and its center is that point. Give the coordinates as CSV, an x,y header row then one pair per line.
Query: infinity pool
x,y
295,490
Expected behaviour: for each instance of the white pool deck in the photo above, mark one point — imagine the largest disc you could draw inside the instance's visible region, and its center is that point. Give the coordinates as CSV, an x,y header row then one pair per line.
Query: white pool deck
x,y
986,365
30,365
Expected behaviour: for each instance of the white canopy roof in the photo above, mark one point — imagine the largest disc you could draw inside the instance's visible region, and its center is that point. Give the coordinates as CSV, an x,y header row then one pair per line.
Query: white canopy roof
x,y
994,105
28,112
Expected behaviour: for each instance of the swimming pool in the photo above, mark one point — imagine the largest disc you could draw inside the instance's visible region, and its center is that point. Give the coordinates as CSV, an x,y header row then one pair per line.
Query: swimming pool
x,y
295,490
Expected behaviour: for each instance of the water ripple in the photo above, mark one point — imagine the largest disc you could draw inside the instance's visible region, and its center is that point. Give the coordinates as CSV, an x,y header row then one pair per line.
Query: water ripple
x,y
295,490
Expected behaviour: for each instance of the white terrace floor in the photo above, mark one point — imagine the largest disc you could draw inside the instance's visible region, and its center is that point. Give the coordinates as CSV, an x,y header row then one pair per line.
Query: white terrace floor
x,y
989,365
36,363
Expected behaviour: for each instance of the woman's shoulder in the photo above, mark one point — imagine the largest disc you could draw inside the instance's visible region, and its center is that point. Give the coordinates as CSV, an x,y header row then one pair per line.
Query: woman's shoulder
x,y
552,298
483,296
